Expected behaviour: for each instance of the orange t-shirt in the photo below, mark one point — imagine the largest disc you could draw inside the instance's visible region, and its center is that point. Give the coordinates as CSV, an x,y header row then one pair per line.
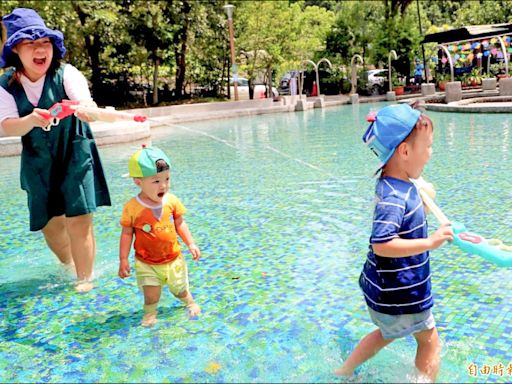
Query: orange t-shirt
x,y
156,240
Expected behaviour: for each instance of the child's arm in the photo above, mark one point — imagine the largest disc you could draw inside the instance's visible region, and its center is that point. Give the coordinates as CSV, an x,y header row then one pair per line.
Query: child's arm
x,y
20,126
399,247
125,244
186,236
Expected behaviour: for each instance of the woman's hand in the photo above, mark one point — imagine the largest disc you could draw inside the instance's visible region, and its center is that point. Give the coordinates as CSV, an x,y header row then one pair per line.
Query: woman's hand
x,y
38,118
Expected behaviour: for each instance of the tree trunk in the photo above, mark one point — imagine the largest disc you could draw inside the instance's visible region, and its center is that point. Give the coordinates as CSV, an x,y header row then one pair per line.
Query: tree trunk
x,y
251,88
155,79
93,46
269,83
181,49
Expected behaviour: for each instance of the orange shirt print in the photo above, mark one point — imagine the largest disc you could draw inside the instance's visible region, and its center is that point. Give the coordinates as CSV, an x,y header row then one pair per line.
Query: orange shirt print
x,y
156,241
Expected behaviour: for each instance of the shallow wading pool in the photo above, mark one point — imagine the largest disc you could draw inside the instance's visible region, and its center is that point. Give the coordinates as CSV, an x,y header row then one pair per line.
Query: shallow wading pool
x,y
282,212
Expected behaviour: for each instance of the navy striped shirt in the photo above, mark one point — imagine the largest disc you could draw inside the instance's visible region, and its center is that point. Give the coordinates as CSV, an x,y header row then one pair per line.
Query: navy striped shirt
x,y
397,285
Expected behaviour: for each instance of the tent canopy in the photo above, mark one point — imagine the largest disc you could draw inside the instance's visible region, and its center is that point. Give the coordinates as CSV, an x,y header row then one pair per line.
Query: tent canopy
x,y
471,32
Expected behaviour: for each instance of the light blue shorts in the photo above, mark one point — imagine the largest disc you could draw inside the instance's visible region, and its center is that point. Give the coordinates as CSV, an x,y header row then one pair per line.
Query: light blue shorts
x,y
395,326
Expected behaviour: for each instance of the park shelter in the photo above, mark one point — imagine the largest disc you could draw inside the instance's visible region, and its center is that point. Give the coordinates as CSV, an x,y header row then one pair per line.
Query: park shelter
x,y
468,33
468,38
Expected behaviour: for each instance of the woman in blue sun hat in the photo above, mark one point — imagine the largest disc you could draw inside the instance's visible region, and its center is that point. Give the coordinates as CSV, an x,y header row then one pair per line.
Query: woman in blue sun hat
x,y
61,169
395,279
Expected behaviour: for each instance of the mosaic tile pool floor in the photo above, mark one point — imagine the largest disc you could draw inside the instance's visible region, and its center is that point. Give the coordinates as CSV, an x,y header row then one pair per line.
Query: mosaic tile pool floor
x,y
283,243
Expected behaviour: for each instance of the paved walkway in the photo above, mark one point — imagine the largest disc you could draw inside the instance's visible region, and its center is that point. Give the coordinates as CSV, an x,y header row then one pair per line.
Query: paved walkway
x,y
119,132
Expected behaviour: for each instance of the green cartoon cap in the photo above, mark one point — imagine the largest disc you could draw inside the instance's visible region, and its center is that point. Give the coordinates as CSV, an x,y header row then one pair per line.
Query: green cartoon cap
x,y
143,162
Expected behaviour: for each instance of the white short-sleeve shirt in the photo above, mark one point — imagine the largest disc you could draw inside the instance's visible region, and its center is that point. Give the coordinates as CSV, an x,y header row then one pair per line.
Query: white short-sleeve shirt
x,y
75,85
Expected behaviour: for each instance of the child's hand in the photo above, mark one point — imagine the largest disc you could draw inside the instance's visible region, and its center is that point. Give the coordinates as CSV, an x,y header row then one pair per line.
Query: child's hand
x,y
195,251
124,268
442,234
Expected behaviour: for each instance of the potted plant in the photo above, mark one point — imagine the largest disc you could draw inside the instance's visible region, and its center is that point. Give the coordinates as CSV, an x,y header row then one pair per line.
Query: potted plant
x,y
498,70
397,84
475,77
464,80
442,79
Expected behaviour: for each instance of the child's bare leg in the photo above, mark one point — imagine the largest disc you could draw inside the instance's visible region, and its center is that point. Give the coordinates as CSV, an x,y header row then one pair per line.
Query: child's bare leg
x,y
188,300
151,299
367,348
427,353
57,238
83,247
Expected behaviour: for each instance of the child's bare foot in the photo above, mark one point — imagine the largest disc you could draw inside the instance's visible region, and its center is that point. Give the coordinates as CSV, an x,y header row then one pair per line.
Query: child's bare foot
x,y
149,319
83,286
343,371
193,309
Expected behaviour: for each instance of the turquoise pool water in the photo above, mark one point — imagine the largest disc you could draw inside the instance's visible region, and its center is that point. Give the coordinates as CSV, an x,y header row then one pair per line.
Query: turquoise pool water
x,y
282,215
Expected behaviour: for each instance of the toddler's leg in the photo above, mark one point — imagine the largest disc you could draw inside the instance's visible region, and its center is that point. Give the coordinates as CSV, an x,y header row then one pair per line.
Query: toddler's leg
x,y
187,299
427,353
151,298
367,348
57,238
83,248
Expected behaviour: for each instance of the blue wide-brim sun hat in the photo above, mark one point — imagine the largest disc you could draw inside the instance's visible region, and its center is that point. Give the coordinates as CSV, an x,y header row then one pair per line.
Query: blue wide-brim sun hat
x,y
391,125
26,24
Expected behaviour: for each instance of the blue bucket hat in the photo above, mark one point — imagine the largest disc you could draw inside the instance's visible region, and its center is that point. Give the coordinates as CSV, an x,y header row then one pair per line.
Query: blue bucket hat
x,y
26,24
388,128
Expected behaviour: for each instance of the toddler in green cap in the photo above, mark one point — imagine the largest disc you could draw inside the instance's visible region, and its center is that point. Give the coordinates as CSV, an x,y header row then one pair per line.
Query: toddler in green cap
x,y
155,218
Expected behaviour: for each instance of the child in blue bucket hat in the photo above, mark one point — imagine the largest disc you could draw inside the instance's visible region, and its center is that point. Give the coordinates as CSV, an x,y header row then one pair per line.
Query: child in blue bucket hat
x,y
61,169
396,275
155,218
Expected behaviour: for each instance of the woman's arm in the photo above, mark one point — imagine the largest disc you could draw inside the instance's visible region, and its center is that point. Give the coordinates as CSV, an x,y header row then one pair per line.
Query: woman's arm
x,y
20,126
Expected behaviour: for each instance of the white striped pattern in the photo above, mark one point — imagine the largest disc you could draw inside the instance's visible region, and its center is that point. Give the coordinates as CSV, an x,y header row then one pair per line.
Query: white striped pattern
x,y
392,204
413,229
399,269
398,288
396,305
420,205
390,186
383,238
387,222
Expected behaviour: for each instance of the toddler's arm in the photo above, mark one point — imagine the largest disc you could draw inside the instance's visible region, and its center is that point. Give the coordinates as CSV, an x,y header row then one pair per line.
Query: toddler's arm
x,y
125,243
186,236
22,125
399,247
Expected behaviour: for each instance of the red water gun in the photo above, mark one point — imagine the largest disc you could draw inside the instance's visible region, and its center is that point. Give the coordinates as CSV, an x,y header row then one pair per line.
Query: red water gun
x,y
67,108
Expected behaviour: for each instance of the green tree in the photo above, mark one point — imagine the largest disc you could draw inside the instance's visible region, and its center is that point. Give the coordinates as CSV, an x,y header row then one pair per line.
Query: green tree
x,y
281,37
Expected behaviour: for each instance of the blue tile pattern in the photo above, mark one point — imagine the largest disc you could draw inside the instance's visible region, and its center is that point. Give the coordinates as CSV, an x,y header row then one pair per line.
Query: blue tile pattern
x,y
283,243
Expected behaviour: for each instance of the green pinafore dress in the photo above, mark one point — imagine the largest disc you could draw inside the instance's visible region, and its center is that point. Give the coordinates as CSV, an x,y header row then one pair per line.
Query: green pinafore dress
x,y
61,169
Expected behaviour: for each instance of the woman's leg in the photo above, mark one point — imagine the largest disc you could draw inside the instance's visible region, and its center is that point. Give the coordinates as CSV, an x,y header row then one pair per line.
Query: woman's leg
x,y
57,238
83,246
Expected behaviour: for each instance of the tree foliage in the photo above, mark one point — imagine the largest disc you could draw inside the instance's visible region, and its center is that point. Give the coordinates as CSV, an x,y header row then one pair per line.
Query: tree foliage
x,y
137,48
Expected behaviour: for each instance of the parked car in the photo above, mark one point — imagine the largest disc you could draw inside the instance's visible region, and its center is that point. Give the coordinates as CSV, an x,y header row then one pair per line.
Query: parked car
x,y
243,90
284,83
376,81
